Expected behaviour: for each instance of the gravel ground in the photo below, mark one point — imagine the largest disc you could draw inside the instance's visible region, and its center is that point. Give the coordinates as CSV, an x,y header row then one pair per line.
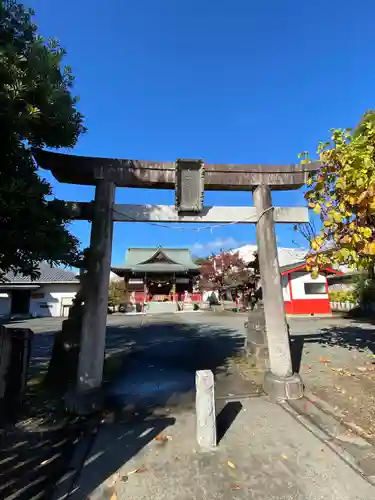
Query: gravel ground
x,y
338,366
336,359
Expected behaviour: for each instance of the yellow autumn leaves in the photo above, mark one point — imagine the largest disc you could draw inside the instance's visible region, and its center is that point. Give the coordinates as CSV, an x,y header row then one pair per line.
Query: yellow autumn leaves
x,y
342,193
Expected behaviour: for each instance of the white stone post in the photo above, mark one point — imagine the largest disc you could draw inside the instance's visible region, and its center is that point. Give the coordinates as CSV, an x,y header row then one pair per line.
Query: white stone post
x,y
279,382
205,410
94,324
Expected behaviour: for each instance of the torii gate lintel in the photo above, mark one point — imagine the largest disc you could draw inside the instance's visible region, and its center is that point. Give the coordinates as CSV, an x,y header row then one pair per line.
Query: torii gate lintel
x,y
73,169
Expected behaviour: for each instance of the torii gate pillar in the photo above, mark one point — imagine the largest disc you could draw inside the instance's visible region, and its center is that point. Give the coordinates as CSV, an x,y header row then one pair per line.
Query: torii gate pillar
x,y
279,382
91,358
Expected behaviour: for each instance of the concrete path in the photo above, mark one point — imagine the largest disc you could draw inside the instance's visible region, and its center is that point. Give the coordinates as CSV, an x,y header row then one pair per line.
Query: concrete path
x,y
265,454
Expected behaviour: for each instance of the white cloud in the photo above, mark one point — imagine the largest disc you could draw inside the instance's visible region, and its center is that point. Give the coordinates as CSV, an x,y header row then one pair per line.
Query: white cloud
x,y
217,244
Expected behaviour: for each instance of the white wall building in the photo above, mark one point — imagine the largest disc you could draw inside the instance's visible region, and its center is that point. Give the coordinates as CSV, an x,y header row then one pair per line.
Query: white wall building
x,y
50,295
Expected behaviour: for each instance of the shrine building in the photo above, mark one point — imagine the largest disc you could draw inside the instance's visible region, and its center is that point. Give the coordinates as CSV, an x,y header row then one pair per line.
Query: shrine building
x,y
158,274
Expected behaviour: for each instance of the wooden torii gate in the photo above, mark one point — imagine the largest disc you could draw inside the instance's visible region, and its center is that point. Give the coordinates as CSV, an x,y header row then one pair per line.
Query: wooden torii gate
x,y
105,174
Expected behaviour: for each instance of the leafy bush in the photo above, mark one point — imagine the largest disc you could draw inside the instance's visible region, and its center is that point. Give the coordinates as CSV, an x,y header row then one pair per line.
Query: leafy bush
x,y
364,290
343,296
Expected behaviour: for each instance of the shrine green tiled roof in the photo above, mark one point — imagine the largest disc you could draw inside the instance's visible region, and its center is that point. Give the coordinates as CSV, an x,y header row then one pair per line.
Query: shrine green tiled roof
x,y
145,260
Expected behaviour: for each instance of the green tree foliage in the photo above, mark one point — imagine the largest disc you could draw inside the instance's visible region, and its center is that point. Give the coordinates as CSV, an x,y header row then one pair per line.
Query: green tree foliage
x,y
343,296
342,192
364,290
36,110
116,293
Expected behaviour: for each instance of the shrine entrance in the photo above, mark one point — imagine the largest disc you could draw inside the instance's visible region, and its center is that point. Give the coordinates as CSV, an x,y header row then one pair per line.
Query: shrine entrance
x,y
189,179
158,290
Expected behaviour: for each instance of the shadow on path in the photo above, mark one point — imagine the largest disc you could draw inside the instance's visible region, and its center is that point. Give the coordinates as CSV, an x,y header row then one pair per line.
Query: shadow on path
x,y
350,337
71,459
108,448
32,460
159,364
162,359
226,417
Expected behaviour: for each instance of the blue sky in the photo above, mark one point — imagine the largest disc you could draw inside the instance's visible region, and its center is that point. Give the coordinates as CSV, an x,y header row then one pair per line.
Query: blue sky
x,y
238,81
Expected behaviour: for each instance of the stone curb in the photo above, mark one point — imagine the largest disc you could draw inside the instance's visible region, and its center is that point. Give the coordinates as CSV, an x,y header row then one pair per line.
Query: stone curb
x,y
355,451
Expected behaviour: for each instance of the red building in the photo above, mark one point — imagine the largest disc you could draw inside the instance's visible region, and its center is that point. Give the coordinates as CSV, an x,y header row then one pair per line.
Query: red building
x,y
304,294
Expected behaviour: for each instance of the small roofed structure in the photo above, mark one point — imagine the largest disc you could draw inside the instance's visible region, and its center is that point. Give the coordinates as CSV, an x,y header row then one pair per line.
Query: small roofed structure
x,y
158,274
304,294
50,294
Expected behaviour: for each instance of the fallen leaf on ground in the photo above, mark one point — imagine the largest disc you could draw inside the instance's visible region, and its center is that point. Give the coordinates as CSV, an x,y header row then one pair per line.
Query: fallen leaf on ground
x,y
362,368
161,438
324,360
235,487
284,457
231,464
339,370
137,471
113,479
338,389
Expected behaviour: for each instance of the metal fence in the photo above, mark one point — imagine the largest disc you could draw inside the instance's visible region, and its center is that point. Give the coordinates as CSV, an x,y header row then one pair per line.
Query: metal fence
x,y
348,306
342,306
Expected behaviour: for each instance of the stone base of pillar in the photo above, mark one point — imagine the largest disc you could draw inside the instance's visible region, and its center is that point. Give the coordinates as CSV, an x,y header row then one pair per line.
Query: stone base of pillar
x,y
282,388
84,403
257,355
256,347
